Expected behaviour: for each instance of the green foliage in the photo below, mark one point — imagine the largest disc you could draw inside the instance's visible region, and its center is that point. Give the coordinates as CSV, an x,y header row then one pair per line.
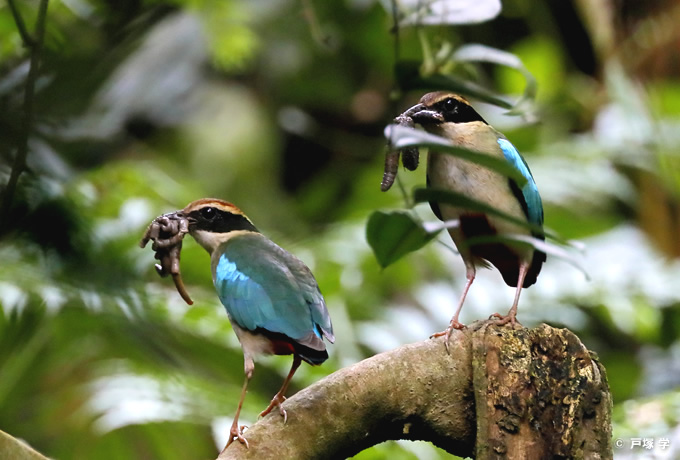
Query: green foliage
x,y
393,235
409,77
280,107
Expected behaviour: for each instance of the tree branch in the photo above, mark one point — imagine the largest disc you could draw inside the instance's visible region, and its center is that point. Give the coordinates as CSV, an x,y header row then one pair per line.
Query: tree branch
x,y
36,46
509,392
11,447
21,26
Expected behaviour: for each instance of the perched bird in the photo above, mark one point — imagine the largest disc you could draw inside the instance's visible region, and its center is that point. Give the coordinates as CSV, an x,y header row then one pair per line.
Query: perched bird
x,y
272,299
452,117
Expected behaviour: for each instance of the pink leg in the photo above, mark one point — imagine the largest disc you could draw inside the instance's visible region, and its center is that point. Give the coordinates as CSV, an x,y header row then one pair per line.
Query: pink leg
x,y
454,324
235,431
511,317
279,397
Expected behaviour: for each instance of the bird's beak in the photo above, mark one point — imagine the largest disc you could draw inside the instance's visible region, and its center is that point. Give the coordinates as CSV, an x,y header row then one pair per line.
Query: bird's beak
x,y
182,215
425,116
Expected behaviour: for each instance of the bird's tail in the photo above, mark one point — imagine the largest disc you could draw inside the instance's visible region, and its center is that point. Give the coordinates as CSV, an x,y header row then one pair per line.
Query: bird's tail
x,y
311,356
311,349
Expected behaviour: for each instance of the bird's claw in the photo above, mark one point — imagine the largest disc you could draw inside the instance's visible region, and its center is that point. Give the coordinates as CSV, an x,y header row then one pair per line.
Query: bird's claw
x,y
454,324
236,432
276,401
502,320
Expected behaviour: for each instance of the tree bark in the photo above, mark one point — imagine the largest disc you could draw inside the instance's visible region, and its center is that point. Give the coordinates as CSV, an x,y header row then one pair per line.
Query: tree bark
x,y
500,393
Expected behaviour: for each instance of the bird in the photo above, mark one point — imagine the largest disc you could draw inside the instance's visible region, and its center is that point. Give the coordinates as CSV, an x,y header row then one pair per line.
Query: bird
x,y
272,299
451,116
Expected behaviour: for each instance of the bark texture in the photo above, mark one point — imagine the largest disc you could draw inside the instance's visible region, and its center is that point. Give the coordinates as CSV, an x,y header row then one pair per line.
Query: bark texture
x,y
500,393
539,393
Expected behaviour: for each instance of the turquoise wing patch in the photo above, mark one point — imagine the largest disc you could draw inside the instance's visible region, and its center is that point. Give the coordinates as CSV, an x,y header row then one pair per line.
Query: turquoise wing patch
x,y
534,205
246,301
263,286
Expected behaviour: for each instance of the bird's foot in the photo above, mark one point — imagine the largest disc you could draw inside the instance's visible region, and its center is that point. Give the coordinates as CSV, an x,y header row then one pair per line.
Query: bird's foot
x,y
236,432
277,400
454,324
447,332
509,318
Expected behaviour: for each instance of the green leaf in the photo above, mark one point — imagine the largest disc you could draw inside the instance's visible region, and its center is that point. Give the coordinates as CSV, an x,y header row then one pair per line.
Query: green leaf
x,y
457,199
443,82
401,137
409,77
428,194
481,53
526,240
392,235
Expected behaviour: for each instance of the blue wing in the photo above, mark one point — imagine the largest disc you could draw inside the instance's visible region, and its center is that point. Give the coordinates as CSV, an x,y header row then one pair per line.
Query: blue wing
x,y
263,286
532,203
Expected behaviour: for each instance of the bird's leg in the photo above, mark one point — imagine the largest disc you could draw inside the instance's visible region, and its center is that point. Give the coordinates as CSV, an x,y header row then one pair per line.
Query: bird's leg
x,y
236,431
280,397
454,324
511,317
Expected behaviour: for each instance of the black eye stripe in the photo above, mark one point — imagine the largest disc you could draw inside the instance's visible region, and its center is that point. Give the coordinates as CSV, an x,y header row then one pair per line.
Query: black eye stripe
x,y
219,221
456,111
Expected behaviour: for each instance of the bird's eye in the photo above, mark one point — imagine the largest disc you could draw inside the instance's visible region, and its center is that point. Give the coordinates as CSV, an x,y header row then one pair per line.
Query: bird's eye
x,y
208,213
450,105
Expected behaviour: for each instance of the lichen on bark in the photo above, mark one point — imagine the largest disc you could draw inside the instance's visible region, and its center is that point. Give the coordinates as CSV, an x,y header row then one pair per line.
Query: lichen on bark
x,y
540,394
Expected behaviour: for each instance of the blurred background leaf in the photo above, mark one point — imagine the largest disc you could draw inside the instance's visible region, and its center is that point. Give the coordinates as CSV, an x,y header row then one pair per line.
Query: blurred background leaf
x,y
280,106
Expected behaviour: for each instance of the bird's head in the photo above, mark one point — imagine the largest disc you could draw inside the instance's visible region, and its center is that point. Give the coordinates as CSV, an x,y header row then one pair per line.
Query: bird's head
x,y
443,107
213,221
